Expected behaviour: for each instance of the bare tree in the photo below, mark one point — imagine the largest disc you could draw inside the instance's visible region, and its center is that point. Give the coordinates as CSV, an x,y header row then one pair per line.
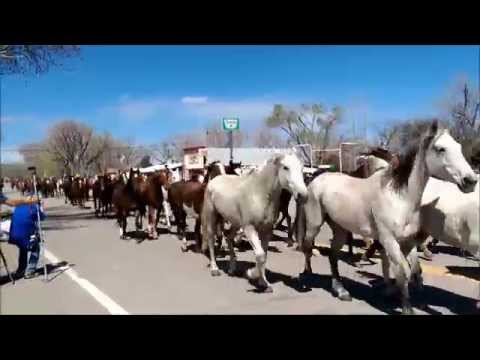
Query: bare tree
x,y
311,124
386,136
73,144
216,137
37,59
264,137
463,111
36,154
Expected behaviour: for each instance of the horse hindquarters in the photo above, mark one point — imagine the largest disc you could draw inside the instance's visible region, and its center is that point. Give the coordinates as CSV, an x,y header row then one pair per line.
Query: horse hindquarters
x,y
309,220
209,220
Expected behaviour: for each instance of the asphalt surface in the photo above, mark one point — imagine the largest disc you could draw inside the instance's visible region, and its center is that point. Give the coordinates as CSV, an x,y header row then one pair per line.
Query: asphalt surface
x,y
107,275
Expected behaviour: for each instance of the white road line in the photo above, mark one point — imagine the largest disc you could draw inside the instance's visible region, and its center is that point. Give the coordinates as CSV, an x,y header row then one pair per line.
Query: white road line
x,y
103,299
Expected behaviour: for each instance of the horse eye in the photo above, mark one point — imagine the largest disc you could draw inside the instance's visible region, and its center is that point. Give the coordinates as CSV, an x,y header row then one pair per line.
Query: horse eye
x,y
285,168
440,150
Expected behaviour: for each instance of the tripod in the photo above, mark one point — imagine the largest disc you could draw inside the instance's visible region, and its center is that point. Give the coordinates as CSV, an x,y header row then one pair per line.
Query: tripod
x,y
39,225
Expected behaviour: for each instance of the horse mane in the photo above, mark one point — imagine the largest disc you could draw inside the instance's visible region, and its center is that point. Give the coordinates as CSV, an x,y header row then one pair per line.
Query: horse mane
x,y
400,171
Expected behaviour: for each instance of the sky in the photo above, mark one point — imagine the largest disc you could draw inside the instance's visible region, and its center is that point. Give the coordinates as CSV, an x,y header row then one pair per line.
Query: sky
x,y
150,93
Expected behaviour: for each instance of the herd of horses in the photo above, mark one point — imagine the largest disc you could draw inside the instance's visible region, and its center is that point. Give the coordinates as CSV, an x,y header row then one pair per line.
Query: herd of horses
x,y
395,201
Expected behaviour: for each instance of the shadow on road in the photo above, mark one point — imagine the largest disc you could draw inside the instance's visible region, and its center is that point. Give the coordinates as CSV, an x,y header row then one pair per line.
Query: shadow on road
x,y
51,268
470,272
433,296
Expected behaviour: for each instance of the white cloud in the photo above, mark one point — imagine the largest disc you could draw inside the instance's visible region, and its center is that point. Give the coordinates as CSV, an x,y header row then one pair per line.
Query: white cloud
x,y
199,110
135,109
9,157
248,110
194,100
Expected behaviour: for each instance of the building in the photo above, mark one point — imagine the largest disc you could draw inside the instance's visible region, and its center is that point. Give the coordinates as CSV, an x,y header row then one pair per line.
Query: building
x,y
195,159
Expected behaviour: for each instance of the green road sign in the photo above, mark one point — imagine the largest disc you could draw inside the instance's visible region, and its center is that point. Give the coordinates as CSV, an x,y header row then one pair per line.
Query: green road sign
x,y
231,123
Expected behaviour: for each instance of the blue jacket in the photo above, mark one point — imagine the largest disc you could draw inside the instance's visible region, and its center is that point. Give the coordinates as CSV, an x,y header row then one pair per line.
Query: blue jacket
x,y
24,224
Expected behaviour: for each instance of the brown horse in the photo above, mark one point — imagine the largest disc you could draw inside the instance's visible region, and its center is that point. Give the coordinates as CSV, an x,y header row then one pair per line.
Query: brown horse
x,y
77,192
149,192
186,198
125,200
97,188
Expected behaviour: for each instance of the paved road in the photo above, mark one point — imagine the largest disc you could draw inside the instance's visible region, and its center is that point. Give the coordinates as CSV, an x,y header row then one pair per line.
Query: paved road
x,y
109,275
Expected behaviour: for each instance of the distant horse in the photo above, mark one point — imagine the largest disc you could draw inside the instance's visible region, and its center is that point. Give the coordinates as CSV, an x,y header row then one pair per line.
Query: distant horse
x,y
250,202
186,198
97,188
77,192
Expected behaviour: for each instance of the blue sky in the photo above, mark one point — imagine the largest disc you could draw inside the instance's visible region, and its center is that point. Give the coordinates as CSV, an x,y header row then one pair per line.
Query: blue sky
x,y
150,93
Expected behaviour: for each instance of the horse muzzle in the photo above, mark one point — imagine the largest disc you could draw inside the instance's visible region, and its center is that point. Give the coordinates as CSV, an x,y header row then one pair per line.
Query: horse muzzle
x,y
467,184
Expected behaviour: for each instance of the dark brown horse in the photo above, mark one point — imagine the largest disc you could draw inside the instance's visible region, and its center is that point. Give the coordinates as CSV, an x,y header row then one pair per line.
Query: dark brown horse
x,y
149,192
97,188
125,200
186,198
77,192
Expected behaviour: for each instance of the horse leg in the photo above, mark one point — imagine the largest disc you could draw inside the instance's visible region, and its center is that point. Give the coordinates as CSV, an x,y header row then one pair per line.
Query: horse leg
x,y
233,258
151,222
166,211
138,220
209,219
340,236
198,236
281,220
417,274
402,269
260,256
290,230
350,244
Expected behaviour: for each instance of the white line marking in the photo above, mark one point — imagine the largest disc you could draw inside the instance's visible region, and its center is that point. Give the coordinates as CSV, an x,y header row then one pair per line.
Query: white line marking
x,y
103,299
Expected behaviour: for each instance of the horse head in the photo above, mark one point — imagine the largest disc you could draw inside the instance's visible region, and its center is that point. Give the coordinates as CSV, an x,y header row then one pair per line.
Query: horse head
x,y
289,170
214,169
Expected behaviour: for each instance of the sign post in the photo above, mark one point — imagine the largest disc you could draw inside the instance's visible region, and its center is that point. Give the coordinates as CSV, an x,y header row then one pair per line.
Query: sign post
x,y
230,125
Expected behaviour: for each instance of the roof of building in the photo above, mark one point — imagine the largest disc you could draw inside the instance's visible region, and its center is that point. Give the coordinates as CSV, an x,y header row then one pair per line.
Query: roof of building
x,y
247,156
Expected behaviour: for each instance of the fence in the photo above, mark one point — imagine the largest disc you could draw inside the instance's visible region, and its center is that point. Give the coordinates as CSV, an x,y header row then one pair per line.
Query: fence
x,y
343,158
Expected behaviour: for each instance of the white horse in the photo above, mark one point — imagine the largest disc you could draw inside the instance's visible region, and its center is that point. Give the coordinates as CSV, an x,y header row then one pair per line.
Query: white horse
x,y
385,206
250,202
451,216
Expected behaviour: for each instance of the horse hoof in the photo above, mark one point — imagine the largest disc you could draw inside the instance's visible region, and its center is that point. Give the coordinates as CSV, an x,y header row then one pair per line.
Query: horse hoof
x,y
251,275
232,271
215,272
427,254
342,294
184,248
408,311
315,252
268,289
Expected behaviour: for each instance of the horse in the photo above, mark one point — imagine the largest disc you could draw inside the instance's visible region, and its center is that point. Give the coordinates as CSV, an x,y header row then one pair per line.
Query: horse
x,y
250,202
385,206
97,189
186,198
125,199
149,192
